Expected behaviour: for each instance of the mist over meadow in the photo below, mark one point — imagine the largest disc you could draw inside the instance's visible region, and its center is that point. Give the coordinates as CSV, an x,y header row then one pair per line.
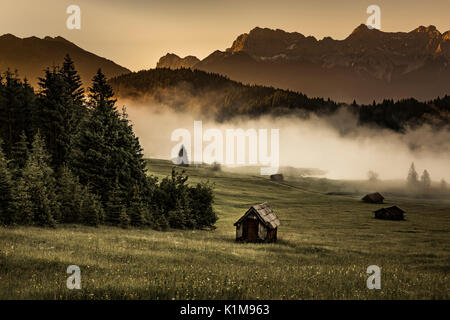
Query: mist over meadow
x,y
333,143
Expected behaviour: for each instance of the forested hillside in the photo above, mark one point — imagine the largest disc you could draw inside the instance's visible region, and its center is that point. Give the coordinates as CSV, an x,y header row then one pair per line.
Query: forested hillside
x,y
219,97
71,157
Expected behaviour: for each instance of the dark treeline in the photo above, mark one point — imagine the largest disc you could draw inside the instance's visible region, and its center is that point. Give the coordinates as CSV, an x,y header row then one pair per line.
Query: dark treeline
x,y
225,99
71,157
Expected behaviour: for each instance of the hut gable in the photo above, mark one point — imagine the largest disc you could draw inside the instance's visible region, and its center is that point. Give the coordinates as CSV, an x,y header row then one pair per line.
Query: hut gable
x,y
390,213
373,198
259,223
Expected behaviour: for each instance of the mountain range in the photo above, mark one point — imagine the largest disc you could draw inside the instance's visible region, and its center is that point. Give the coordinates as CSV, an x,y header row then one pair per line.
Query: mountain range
x,y
31,56
367,65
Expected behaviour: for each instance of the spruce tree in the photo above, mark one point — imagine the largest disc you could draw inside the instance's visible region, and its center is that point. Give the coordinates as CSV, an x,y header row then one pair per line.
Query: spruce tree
x,y
70,196
114,206
124,218
17,101
22,206
55,115
38,182
138,210
5,191
19,156
74,89
92,213
412,179
106,150
425,180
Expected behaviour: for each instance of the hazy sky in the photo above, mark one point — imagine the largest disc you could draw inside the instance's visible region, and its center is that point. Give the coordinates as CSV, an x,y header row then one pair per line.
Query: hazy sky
x,y
135,33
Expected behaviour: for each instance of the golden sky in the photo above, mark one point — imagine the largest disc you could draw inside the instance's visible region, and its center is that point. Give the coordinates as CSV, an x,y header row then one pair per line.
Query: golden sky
x,y
135,33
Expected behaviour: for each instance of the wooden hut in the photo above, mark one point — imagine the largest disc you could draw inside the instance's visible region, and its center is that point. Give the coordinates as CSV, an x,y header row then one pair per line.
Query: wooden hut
x,y
373,198
258,224
277,177
390,213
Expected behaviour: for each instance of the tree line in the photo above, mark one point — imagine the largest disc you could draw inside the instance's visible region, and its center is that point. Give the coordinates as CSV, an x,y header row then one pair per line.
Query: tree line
x,y
225,99
69,156
422,184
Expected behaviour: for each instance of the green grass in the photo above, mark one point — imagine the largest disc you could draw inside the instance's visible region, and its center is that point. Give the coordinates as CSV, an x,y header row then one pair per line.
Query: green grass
x,y
325,245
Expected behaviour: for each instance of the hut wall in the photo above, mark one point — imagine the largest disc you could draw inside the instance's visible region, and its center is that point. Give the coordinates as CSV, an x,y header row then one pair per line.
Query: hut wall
x,y
262,232
239,231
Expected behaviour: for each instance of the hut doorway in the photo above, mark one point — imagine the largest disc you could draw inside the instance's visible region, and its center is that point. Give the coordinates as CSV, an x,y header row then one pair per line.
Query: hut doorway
x,y
250,231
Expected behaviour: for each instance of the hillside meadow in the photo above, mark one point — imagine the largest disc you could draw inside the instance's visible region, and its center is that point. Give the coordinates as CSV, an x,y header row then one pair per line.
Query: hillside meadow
x,y
326,242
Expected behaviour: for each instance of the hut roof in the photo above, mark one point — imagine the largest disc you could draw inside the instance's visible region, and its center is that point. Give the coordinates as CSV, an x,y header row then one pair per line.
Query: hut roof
x,y
373,197
394,210
265,213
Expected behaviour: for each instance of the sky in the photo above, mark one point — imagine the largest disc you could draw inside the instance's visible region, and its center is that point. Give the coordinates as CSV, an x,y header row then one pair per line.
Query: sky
x,y
136,33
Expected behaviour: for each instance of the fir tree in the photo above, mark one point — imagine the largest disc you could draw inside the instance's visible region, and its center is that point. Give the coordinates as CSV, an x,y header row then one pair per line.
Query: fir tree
x,y
19,156
425,180
17,101
412,179
114,206
57,114
92,213
70,196
22,206
138,211
124,218
5,191
75,90
106,149
38,182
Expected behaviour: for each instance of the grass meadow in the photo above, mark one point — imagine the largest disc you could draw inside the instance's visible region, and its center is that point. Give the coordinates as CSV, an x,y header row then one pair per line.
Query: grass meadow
x,y
326,242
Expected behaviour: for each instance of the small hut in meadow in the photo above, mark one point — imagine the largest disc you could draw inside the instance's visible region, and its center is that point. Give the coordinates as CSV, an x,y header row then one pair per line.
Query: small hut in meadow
x,y
182,159
390,213
373,198
277,177
258,224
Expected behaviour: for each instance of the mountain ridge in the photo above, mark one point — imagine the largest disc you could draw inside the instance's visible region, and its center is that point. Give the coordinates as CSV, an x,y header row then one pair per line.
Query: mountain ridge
x,y
31,55
367,65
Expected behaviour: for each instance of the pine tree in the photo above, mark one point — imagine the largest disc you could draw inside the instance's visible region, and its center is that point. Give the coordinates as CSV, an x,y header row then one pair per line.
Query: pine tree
x,y
74,89
412,179
425,180
17,101
5,191
114,206
70,196
138,211
38,182
124,218
106,149
92,213
19,156
22,207
56,115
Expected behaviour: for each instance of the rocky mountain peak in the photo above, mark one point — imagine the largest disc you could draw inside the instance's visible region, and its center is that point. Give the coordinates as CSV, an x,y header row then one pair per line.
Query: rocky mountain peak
x,y
173,61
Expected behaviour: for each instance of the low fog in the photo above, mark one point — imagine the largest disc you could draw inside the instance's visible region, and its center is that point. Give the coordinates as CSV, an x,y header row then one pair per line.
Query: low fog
x,y
334,144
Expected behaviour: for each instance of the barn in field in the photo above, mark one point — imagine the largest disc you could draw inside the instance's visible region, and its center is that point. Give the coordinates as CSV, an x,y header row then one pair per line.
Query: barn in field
x,y
277,177
390,213
373,198
258,224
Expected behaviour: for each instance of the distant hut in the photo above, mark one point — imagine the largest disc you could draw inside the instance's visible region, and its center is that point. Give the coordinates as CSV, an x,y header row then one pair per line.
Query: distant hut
x,y
373,198
390,213
258,224
182,159
277,177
